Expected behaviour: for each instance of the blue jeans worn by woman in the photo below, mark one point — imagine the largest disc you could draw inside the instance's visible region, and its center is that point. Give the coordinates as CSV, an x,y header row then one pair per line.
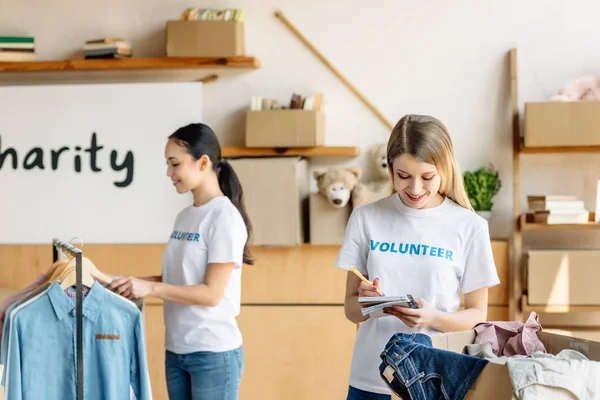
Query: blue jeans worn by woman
x,y
204,375
357,394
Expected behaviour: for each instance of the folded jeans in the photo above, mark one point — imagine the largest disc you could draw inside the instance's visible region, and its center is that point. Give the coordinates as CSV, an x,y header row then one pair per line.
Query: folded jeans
x,y
413,369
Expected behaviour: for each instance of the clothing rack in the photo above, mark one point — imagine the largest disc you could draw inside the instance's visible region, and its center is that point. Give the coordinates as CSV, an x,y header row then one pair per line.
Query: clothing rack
x,y
75,252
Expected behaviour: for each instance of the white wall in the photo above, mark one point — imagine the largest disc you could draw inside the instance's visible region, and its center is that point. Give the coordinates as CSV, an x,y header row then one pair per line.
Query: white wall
x,y
437,57
111,190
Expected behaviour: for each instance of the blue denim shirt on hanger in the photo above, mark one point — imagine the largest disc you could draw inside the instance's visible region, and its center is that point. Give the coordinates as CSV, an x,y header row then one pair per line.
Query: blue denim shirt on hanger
x,y
41,357
6,327
414,370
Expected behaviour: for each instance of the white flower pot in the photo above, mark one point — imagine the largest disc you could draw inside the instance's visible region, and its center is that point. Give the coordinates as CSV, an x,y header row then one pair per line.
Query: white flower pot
x,y
485,214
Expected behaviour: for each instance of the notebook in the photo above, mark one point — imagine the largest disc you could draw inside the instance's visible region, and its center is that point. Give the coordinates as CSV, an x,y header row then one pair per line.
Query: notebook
x,y
373,306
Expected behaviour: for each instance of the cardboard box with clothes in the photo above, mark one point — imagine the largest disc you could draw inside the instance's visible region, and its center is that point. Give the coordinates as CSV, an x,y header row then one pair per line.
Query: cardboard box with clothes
x,y
495,360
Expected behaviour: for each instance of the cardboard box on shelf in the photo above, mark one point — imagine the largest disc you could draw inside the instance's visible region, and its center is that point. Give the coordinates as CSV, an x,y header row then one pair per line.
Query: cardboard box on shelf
x,y
327,223
551,124
494,381
276,197
563,277
285,128
205,39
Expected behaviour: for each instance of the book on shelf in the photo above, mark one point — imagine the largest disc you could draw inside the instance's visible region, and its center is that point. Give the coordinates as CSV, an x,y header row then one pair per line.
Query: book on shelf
x,y
561,217
17,48
373,306
557,209
109,47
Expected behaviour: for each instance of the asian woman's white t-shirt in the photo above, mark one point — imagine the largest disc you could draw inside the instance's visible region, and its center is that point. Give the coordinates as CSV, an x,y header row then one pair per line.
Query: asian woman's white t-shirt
x,y
215,232
430,253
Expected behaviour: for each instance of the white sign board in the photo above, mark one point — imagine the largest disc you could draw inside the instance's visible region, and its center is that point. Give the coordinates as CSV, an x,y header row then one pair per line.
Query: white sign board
x,y
88,161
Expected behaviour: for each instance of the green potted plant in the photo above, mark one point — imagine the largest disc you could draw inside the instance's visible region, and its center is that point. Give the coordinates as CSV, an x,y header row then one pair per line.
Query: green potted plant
x,y
481,186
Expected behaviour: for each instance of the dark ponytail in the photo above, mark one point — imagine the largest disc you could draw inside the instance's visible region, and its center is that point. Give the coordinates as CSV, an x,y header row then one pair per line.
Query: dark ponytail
x,y
199,139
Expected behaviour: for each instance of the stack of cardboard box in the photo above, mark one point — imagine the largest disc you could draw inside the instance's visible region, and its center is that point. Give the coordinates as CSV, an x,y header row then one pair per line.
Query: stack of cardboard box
x,y
277,189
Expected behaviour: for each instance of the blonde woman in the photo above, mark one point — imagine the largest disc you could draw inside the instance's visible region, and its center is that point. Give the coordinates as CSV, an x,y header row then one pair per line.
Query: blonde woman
x,y
424,240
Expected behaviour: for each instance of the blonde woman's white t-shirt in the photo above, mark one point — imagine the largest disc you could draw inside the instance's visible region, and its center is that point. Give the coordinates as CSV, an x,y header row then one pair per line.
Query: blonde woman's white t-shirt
x,y
428,253
212,233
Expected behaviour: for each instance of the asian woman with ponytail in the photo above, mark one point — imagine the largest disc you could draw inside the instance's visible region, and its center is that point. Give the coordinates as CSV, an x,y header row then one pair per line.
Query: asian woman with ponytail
x,y
201,271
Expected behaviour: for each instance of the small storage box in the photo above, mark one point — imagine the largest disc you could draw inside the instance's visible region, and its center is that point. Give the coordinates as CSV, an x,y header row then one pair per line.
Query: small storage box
x,y
276,196
327,223
285,128
563,277
205,39
551,124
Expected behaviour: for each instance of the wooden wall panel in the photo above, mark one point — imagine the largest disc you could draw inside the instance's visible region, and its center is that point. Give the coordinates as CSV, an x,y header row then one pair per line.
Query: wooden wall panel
x,y
498,295
294,275
293,341
497,313
20,264
155,339
290,275
296,352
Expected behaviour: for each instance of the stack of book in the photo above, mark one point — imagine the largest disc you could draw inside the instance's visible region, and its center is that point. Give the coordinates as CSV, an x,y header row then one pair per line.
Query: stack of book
x,y
107,48
557,209
297,102
212,14
17,48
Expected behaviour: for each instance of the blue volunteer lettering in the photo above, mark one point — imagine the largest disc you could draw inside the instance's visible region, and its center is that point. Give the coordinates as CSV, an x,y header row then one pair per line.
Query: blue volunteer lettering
x,y
189,236
412,249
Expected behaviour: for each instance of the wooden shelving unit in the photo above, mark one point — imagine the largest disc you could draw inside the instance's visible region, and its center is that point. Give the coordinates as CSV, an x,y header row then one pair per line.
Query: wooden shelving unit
x,y
320,151
518,304
130,64
546,150
556,308
527,224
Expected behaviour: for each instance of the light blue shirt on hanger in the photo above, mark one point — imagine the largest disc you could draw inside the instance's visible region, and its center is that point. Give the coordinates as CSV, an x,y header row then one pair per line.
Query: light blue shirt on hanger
x,y
42,360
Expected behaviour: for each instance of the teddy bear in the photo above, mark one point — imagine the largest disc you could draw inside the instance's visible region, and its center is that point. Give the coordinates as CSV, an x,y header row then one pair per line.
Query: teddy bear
x,y
341,185
586,88
337,184
383,183
381,186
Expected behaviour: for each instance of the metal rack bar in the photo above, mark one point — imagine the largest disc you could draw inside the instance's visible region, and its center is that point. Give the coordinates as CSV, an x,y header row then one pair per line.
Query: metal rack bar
x,y
75,252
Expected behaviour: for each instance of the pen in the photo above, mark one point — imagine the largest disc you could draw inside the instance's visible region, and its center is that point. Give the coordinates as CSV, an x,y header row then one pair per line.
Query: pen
x,y
365,280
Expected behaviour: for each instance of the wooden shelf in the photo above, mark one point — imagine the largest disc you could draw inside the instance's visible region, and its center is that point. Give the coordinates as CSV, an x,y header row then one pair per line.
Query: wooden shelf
x,y
319,151
557,149
527,308
130,64
527,224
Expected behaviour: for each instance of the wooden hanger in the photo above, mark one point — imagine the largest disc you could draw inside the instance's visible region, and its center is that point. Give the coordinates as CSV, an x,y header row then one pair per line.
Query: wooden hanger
x,y
88,267
69,277
65,262
58,264
91,268
56,270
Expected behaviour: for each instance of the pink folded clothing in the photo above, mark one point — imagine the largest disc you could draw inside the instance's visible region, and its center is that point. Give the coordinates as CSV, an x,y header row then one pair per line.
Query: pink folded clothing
x,y
19,295
512,337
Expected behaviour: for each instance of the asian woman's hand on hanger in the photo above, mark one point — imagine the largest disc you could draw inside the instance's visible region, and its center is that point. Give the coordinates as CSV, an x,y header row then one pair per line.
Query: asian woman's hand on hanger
x,y
131,288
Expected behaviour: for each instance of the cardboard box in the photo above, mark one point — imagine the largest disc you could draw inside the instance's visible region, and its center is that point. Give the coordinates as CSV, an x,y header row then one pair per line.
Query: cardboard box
x,y
276,197
285,128
549,124
563,277
494,381
205,39
327,223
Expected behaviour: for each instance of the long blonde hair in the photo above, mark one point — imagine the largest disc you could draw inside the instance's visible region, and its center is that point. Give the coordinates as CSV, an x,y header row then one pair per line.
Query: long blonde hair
x,y
427,139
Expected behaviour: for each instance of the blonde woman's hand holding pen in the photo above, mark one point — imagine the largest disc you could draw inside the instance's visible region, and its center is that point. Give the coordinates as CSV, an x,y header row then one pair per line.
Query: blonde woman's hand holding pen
x,y
367,288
